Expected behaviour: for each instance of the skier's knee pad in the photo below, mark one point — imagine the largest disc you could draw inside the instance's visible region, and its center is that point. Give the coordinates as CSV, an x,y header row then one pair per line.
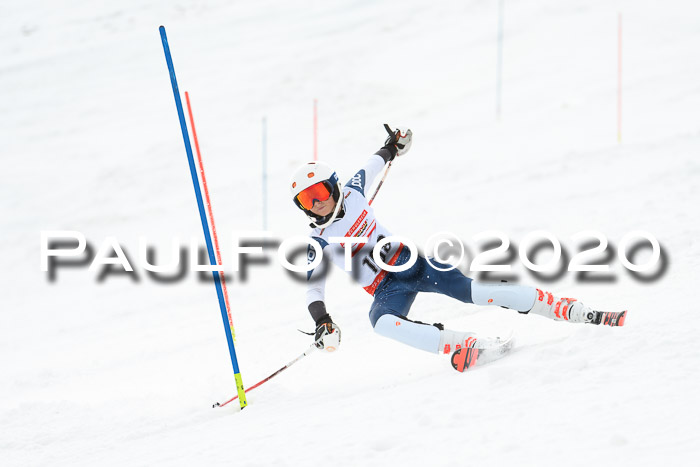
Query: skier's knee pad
x,y
421,336
515,297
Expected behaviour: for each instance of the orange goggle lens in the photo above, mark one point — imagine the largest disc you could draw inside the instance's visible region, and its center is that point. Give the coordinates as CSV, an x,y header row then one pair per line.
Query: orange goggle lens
x,y
316,192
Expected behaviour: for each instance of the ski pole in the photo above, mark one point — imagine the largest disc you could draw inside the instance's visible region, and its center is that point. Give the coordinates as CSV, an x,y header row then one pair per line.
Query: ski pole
x,y
381,182
307,352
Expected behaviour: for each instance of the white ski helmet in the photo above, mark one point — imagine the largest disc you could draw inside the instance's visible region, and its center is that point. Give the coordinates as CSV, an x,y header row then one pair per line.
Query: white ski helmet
x,y
311,174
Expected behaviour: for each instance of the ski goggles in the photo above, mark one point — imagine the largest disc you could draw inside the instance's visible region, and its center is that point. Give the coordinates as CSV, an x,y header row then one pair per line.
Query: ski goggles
x,y
320,191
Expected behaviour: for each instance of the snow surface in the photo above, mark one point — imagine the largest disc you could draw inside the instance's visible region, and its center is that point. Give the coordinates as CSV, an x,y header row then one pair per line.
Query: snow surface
x,y
124,371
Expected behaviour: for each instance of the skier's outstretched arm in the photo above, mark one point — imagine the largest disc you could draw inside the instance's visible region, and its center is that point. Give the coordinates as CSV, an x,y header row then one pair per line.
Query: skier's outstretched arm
x,y
397,144
327,335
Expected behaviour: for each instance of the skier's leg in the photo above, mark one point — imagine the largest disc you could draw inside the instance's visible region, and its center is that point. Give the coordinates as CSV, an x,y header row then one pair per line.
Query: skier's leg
x,y
387,315
424,277
419,335
515,297
432,338
396,294
391,305
526,299
391,298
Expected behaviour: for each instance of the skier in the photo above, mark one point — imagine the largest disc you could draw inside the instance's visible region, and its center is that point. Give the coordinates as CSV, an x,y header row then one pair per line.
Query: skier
x,y
343,211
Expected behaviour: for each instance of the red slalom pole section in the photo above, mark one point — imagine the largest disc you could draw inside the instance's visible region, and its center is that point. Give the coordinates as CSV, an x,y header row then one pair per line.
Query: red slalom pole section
x,y
315,129
211,214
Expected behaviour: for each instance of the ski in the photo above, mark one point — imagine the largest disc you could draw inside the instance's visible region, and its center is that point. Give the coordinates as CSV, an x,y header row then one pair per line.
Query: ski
x,y
610,318
468,357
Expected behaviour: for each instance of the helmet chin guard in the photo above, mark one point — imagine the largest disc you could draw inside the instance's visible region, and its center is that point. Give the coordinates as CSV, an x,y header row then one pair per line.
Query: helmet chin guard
x,y
310,174
324,222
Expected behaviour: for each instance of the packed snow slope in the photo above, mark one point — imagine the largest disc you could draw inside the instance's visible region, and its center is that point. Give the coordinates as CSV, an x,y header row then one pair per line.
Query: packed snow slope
x,y
123,371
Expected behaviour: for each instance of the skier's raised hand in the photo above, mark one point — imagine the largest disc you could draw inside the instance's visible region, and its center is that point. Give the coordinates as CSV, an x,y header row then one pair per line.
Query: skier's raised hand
x,y
400,138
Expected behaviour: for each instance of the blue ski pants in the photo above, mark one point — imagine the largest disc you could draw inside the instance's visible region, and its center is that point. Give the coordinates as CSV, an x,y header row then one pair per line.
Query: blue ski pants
x,y
397,291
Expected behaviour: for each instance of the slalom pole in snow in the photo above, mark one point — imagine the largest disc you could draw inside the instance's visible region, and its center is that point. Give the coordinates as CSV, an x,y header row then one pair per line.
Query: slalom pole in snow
x,y
306,352
203,218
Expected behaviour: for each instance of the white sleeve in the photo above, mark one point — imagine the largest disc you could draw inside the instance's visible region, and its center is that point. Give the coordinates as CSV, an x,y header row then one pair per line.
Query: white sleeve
x,y
363,178
316,278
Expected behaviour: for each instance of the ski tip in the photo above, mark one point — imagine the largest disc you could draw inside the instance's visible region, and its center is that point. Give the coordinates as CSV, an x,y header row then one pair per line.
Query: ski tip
x,y
621,319
609,318
216,405
615,319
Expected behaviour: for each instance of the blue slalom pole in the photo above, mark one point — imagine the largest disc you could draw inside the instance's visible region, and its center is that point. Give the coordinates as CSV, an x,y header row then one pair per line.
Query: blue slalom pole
x,y
203,218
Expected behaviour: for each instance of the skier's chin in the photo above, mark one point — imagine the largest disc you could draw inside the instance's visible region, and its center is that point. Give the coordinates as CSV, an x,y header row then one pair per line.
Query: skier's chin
x,y
323,211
